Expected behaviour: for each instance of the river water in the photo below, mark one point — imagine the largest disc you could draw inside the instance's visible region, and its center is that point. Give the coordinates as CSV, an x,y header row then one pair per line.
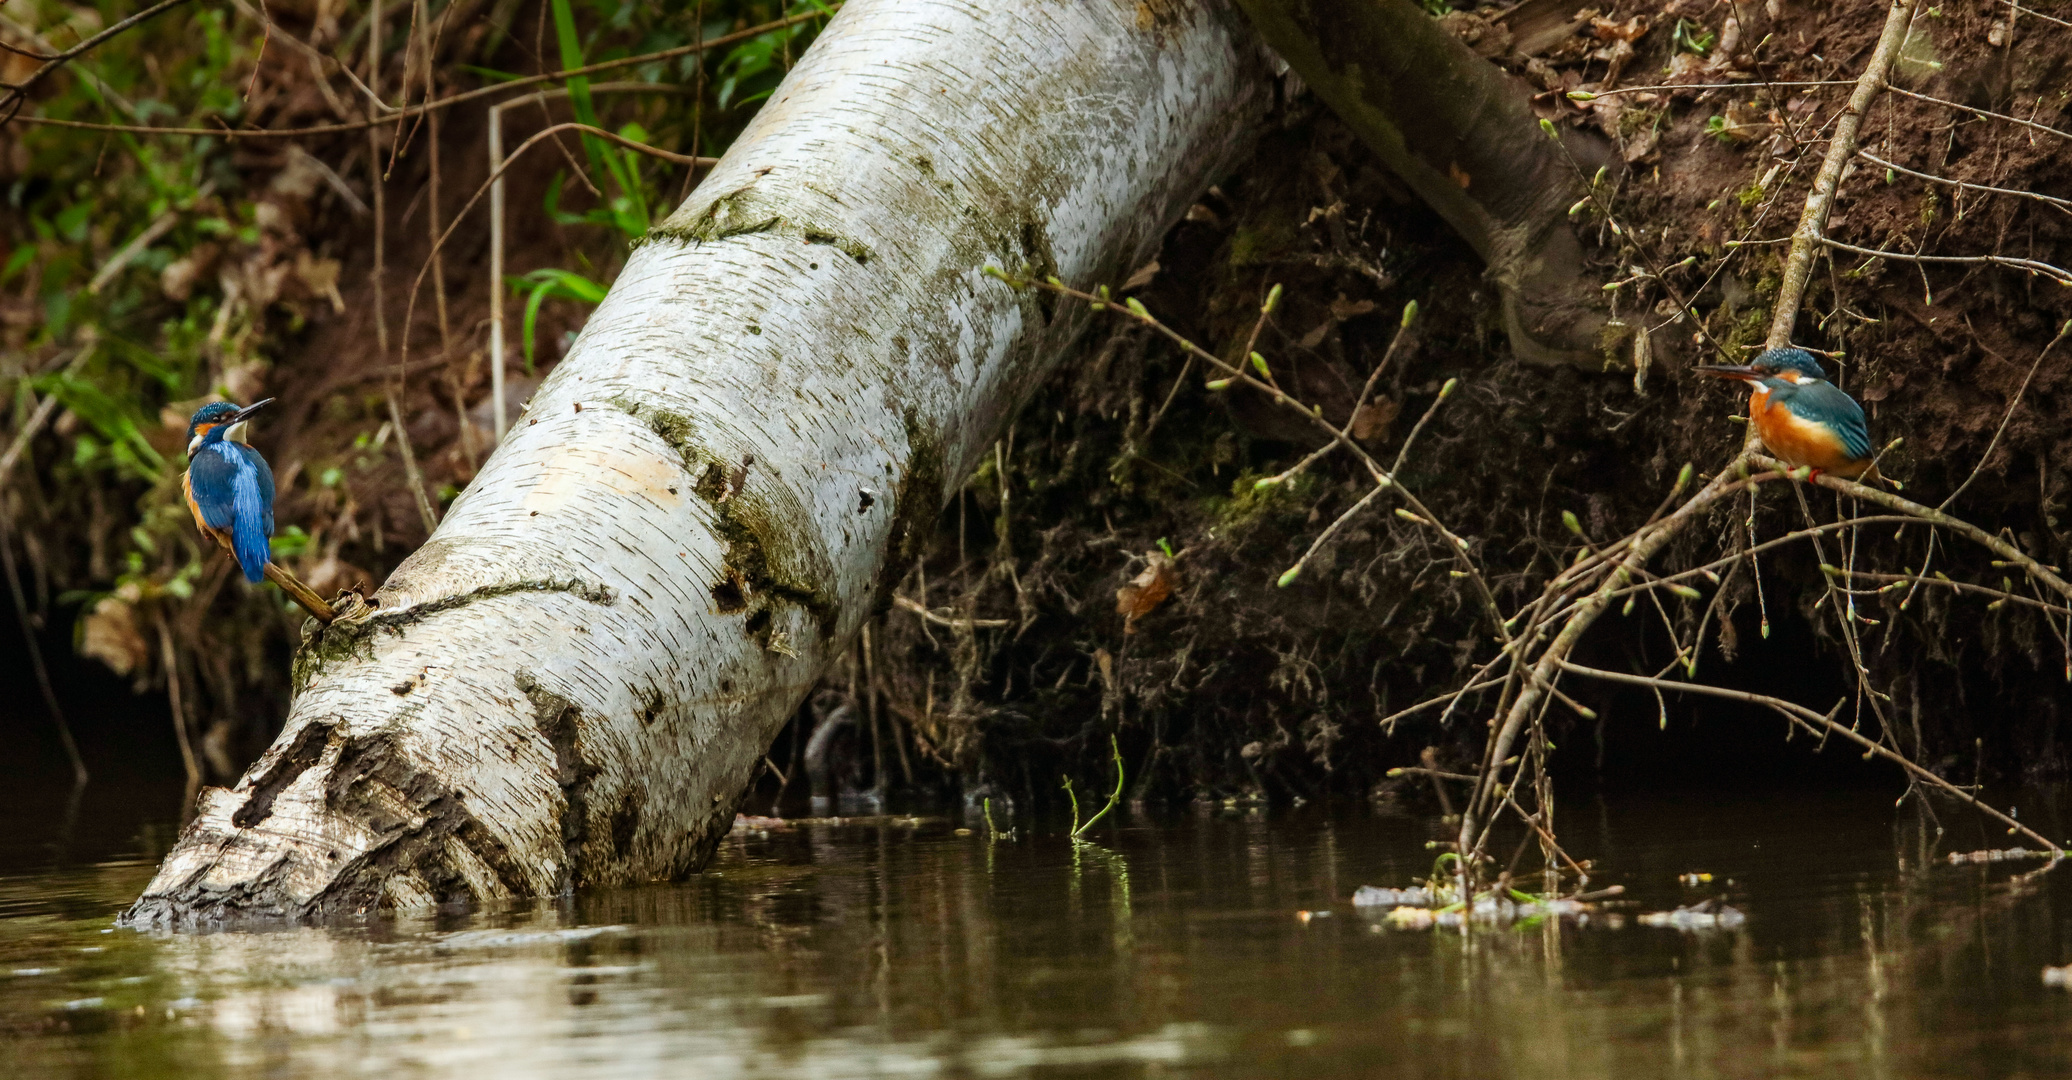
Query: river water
x,y
1174,947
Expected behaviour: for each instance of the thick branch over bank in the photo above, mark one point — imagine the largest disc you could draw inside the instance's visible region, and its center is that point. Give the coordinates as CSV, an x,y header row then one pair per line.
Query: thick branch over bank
x,y
573,680
1460,133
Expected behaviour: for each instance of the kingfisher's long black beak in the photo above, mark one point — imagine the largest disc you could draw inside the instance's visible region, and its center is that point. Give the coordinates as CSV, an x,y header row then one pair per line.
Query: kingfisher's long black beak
x,y
246,413
1728,371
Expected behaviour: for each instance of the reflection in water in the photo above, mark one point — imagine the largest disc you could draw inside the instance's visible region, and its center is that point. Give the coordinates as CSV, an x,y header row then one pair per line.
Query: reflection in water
x,y
902,948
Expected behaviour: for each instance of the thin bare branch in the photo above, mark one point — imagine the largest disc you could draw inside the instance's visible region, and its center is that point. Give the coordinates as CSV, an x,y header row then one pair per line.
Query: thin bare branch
x,y
1818,723
2057,274
1805,240
494,90
2064,205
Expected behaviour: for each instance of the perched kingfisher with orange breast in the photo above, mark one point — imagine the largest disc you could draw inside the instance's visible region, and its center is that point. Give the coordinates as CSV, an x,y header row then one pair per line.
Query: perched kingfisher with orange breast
x,y
1804,420
229,487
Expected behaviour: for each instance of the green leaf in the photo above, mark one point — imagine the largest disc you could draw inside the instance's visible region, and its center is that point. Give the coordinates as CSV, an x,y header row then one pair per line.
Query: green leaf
x,y
491,74
291,542
606,158
24,254
549,283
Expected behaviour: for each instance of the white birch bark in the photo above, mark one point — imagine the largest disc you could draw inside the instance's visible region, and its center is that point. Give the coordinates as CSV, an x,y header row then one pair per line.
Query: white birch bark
x,y
574,679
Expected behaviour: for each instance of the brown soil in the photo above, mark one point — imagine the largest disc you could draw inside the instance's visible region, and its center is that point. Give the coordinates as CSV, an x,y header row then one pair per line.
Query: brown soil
x,y
1236,687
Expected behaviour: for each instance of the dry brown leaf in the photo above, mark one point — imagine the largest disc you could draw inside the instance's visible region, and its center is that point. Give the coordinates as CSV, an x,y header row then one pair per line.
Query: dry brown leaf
x,y
1343,309
1614,30
1146,591
320,277
1374,418
180,276
1641,144
109,634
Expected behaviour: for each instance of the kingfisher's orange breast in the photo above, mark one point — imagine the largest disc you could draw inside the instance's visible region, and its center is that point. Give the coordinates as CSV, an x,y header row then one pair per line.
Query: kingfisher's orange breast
x,y
1796,440
187,490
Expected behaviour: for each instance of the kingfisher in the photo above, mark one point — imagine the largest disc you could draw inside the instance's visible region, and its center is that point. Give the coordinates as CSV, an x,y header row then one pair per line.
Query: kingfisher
x,y
1804,420
229,487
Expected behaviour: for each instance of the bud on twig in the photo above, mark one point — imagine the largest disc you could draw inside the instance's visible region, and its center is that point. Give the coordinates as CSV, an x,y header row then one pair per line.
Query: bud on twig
x,y
1568,518
1409,314
1273,300
1259,362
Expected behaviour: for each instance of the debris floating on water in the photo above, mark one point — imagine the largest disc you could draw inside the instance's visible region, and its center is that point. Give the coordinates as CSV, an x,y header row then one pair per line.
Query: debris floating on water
x,y
1696,878
1375,896
1421,908
1958,858
1710,915
2058,976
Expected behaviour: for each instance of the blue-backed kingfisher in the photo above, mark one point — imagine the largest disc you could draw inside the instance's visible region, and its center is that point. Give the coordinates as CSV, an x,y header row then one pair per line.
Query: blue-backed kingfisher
x,y
229,486
1804,420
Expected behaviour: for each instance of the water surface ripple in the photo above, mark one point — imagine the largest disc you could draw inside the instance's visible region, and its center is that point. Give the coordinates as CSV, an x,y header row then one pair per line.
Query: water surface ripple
x,y
1173,947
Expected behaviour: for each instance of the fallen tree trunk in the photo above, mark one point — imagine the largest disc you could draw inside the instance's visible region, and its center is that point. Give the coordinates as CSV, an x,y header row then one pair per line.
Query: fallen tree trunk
x,y
1461,134
574,679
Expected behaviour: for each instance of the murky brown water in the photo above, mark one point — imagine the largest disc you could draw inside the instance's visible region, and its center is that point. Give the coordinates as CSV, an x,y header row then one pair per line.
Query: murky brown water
x,y
1173,948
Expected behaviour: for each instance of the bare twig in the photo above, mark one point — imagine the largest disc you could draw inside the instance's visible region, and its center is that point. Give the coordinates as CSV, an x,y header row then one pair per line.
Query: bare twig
x,y
2034,14
1243,376
19,93
1593,95
905,604
410,470
2034,266
20,445
477,94
1999,547
2006,416
171,657
1987,113
2064,205
316,56
1895,580
489,184
1805,240
160,226
1818,723
21,604
496,224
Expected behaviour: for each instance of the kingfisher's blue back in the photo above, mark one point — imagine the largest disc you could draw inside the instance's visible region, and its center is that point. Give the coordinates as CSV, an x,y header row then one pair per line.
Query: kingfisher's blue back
x,y
230,486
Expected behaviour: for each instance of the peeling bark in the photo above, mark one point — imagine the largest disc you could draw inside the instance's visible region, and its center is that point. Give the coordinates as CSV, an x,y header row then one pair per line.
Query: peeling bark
x,y
572,682
1460,133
